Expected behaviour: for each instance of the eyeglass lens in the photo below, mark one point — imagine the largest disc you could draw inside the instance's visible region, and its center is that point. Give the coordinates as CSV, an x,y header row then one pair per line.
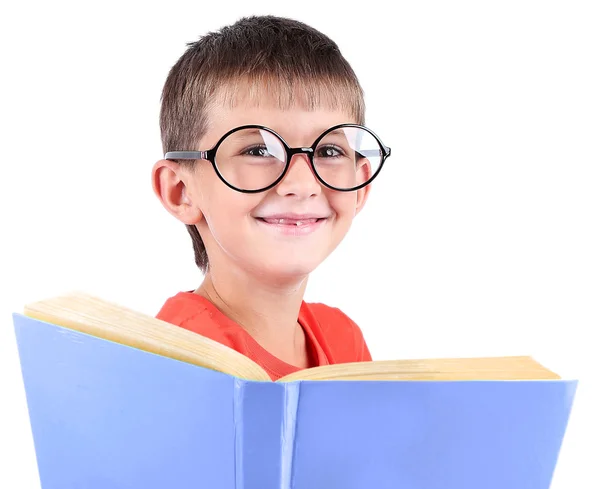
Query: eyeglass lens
x,y
253,158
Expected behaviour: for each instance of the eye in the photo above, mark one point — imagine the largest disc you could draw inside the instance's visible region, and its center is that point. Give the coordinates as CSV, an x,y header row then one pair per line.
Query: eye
x,y
259,151
329,151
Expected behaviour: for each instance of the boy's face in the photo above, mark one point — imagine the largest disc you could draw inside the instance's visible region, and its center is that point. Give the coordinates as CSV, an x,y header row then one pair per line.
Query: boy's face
x,y
283,233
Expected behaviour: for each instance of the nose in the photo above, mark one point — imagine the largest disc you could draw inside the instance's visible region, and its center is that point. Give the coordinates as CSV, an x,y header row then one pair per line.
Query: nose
x,y
299,181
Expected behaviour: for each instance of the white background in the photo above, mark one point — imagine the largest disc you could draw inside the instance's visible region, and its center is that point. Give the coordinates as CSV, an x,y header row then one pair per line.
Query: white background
x,y
482,235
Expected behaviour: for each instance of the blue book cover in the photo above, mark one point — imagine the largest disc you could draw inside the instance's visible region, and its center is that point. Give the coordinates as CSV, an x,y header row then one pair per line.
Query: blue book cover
x,y
105,415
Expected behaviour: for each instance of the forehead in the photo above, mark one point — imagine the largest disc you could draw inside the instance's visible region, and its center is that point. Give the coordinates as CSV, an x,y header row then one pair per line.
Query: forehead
x,y
298,113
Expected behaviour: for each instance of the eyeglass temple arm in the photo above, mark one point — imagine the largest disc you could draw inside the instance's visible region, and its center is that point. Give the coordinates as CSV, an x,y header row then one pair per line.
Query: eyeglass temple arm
x,y
374,152
186,155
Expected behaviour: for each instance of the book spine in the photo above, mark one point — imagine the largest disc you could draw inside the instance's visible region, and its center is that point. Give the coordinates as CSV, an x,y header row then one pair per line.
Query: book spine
x,y
288,439
238,432
259,421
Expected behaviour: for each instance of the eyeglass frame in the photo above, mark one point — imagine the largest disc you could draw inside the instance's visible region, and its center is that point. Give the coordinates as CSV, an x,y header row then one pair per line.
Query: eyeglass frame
x,y
210,154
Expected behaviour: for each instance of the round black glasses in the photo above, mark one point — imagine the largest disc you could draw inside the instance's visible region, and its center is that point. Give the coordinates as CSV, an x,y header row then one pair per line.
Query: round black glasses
x,y
254,158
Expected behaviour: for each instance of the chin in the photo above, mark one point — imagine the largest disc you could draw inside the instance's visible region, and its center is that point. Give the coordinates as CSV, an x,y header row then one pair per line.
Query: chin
x,y
285,269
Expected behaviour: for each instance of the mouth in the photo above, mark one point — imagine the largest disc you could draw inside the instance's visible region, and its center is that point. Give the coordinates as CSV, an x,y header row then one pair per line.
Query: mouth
x,y
291,222
295,226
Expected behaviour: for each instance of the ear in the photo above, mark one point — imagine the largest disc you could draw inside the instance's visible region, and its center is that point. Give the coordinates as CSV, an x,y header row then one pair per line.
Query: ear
x,y
363,173
170,184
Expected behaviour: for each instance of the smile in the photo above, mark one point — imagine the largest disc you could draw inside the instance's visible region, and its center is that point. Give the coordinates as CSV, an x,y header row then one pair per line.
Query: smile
x,y
293,226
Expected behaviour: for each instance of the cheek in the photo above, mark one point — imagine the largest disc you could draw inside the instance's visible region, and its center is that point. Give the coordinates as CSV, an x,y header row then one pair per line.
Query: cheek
x,y
343,203
225,210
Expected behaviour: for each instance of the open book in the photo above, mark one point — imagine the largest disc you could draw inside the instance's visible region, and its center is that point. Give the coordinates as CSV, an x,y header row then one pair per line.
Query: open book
x,y
97,317
119,399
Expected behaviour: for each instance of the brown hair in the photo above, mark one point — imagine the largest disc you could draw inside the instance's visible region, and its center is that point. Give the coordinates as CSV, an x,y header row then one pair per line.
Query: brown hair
x,y
292,60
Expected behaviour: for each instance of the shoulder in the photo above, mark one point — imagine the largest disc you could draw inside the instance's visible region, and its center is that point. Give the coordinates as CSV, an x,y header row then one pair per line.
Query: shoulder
x,y
181,308
195,313
331,317
341,334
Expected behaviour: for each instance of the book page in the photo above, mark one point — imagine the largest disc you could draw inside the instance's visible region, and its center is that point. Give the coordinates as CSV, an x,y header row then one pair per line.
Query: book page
x,y
97,317
492,368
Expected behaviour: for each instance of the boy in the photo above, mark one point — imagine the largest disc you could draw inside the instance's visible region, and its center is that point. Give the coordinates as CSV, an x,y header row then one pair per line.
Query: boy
x,y
266,162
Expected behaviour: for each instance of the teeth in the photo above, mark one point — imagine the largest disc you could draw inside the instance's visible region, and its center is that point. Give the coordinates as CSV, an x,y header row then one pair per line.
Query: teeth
x,y
297,223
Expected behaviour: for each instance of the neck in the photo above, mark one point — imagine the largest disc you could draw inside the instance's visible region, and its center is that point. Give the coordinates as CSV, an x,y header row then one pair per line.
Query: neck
x,y
267,311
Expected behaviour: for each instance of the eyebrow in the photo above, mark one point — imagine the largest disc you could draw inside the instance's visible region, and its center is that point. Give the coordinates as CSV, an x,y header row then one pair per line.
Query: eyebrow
x,y
336,132
248,130
256,131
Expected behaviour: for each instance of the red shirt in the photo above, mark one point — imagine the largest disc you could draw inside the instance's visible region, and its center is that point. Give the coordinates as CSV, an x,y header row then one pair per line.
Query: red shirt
x,y
331,336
